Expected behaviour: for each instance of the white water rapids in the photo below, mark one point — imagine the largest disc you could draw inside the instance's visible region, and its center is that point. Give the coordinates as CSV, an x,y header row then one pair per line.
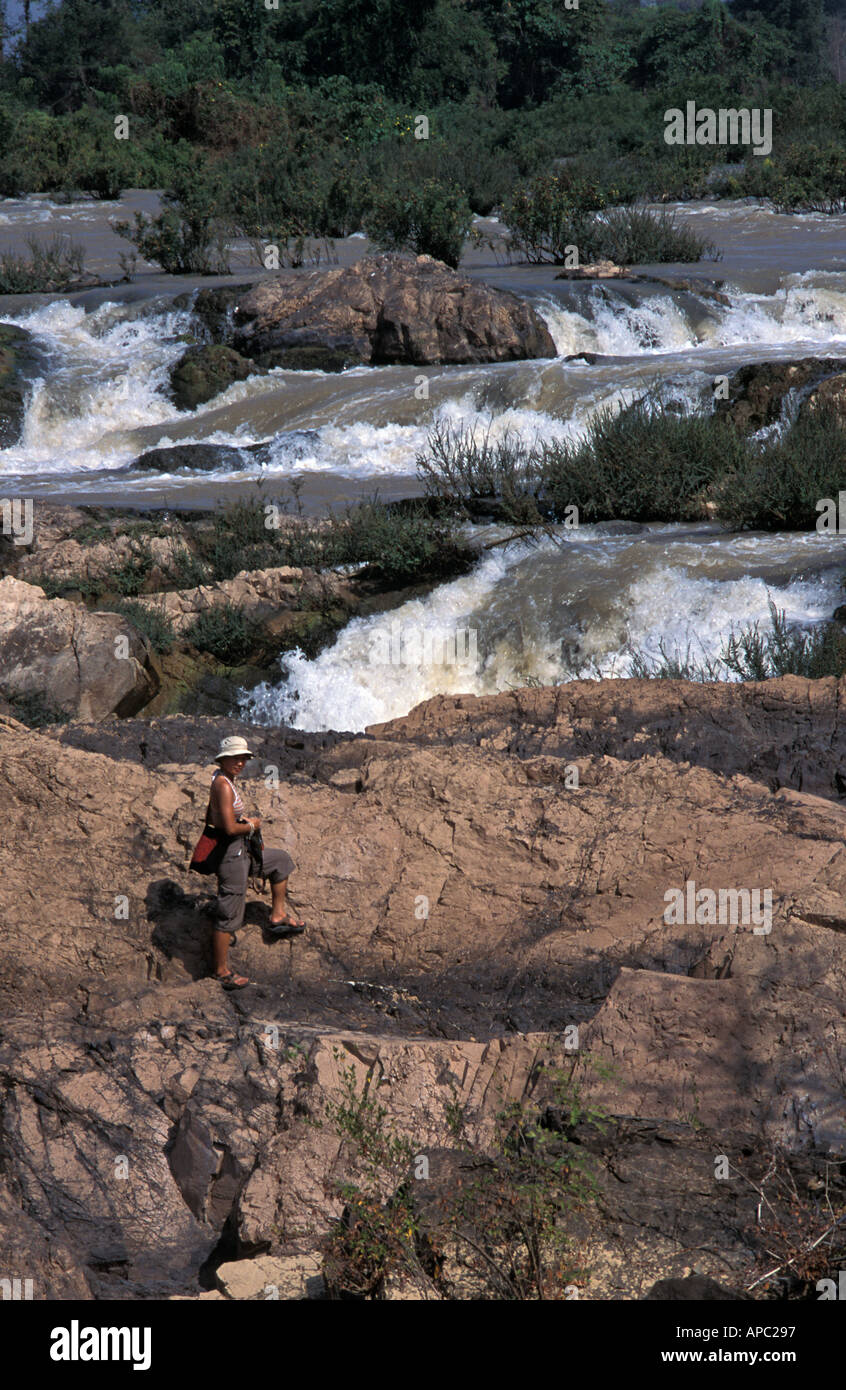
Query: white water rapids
x,y
580,605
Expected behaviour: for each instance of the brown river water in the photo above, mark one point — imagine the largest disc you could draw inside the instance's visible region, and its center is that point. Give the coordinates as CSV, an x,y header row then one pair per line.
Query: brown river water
x,y
577,604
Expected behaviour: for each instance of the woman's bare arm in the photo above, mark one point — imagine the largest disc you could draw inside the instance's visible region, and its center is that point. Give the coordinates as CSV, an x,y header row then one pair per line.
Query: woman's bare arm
x,y
223,801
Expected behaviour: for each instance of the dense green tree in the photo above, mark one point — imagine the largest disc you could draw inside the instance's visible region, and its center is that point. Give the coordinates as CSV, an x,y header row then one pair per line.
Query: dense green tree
x,y
544,44
65,52
803,20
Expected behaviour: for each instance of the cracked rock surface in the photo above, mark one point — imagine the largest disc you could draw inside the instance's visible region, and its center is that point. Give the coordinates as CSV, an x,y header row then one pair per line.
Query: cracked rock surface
x,y
466,904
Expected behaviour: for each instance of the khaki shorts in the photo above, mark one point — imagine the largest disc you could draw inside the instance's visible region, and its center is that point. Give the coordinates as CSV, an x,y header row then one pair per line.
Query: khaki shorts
x,y
232,881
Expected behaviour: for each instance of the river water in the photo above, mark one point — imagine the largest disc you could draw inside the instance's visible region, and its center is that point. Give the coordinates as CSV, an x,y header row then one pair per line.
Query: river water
x,y
577,603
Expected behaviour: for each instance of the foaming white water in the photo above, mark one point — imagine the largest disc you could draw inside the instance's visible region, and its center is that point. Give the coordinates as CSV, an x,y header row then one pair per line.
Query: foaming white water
x,y
109,369
798,313
365,676
808,310
551,614
364,450
615,328
26,211
691,616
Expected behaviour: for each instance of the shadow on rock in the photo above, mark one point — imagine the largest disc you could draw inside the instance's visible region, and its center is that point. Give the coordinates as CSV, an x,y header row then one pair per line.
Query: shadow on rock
x,y
181,924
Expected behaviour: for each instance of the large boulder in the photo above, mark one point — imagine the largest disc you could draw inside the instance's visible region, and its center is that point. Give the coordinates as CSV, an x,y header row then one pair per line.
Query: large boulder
x,y
203,372
385,309
204,458
20,360
83,664
757,391
829,395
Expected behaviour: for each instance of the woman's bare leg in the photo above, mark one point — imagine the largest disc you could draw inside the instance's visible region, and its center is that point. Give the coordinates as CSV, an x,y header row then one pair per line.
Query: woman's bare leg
x,y
279,910
220,952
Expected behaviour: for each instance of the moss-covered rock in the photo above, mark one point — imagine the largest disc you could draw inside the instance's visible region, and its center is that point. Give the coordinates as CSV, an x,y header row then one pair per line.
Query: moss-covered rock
x,y
203,372
310,357
214,308
19,362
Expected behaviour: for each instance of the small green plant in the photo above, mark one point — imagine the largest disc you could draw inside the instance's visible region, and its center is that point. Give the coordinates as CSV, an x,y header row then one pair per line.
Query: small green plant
x,y
228,632
691,1116
151,621
755,654
454,1115
51,267
187,570
785,650
36,711
505,1216
360,1119
129,577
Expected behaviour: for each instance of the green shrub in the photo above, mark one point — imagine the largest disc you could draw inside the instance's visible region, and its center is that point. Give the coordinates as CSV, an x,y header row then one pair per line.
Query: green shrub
x,y
188,237
645,463
552,214
778,486
181,239
638,236
151,622
50,267
403,545
400,544
461,465
508,1218
228,632
806,178
431,218
36,711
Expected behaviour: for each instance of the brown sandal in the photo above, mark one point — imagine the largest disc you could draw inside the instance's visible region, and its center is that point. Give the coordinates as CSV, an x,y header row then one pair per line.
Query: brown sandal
x,y
232,981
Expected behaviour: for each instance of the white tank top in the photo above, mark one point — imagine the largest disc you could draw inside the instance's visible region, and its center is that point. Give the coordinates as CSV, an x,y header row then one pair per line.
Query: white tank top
x,y
238,808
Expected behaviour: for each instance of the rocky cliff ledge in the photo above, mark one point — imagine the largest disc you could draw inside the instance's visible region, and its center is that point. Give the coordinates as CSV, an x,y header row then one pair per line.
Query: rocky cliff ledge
x,y
479,878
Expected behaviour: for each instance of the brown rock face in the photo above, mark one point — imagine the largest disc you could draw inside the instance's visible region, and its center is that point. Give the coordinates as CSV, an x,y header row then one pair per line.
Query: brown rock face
x,y
781,733
264,594
468,904
387,309
84,664
758,391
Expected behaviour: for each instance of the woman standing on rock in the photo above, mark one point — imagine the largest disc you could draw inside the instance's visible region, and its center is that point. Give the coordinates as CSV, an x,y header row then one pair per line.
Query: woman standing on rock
x,y
226,818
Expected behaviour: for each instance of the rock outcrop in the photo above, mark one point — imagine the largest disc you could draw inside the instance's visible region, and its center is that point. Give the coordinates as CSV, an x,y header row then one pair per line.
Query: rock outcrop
x,y
468,905
71,661
202,458
95,565
20,361
274,597
203,372
385,309
758,392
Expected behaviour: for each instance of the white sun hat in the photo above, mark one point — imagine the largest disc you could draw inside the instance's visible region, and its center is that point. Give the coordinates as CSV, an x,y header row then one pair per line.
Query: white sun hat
x,y
233,747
